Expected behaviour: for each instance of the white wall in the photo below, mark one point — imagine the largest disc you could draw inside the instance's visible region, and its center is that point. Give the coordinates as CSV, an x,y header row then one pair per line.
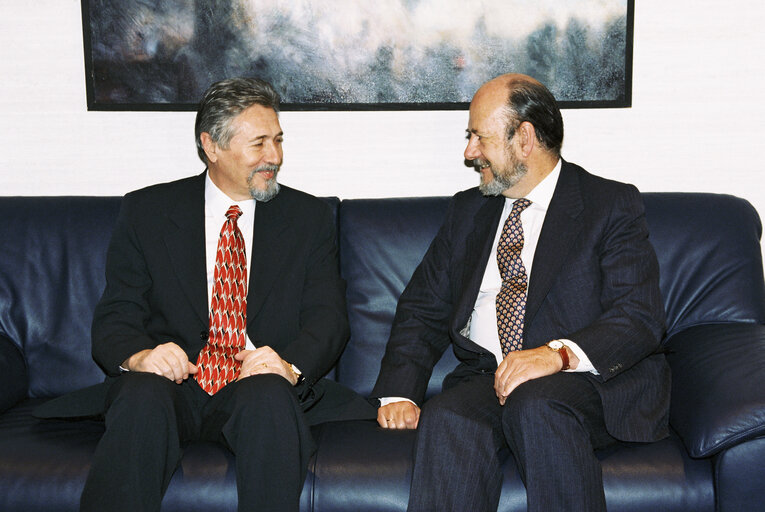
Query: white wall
x,y
697,121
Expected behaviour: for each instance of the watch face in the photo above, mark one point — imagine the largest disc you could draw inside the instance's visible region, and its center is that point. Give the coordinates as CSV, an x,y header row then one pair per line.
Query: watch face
x,y
555,345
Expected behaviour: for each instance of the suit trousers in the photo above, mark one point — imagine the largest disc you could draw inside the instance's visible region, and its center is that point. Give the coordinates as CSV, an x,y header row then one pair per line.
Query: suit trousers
x,y
149,418
551,426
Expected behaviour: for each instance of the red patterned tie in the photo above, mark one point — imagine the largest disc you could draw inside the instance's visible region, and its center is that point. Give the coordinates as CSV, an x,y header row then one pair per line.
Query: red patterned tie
x,y
228,309
511,299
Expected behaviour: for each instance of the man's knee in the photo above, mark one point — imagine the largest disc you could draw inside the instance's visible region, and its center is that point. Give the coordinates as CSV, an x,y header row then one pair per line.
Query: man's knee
x,y
264,394
544,403
442,409
141,392
470,407
261,408
145,402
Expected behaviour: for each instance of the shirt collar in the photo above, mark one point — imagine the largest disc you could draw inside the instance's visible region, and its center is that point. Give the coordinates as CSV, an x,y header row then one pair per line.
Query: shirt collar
x,y
217,202
541,195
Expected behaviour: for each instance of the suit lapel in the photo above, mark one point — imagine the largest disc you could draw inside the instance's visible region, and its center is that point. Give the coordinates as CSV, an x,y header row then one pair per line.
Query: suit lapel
x,y
185,243
270,250
478,245
559,231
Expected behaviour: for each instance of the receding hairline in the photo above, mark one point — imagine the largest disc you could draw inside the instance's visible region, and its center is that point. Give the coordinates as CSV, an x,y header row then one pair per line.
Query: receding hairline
x,y
508,83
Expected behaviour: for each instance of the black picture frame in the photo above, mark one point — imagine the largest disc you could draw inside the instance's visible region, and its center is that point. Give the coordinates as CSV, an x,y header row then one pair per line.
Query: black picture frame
x,y
160,55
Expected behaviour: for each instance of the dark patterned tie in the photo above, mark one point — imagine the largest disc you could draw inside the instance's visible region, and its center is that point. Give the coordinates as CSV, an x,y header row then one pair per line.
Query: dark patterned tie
x,y
228,309
511,299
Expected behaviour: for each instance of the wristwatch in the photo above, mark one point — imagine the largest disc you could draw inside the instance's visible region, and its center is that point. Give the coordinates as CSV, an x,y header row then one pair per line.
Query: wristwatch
x,y
559,347
298,374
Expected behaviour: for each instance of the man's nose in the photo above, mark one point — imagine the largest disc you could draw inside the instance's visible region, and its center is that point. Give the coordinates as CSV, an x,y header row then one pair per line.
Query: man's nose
x,y
274,154
471,150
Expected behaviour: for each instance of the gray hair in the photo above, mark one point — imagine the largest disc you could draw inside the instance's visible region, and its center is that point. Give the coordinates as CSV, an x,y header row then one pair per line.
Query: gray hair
x,y
225,100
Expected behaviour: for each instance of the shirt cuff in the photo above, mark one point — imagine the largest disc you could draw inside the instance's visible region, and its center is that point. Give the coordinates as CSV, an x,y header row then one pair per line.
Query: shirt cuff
x,y
393,399
585,365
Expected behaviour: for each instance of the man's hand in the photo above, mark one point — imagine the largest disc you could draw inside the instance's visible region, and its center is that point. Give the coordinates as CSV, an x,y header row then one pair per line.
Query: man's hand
x,y
167,360
399,415
523,365
264,360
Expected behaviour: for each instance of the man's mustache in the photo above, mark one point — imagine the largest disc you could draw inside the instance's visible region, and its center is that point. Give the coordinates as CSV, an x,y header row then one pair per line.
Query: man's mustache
x,y
477,163
266,168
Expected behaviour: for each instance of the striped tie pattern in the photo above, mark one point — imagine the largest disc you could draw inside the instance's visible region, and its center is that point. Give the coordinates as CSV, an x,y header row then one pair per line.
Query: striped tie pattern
x,y
511,299
228,309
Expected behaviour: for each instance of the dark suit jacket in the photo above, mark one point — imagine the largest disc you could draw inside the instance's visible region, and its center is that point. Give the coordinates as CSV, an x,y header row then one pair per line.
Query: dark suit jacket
x,y
156,291
594,280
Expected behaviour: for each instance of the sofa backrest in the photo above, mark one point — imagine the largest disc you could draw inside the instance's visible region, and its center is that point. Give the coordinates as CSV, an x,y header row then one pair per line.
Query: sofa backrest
x,y
708,246
53,252
381,243
52,259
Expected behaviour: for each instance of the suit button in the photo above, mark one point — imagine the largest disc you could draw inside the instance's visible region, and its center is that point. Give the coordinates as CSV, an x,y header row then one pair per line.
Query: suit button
x,y
203,335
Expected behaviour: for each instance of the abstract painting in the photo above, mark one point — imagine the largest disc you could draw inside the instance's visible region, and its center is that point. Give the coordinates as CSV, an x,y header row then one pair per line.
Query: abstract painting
x,y
355,54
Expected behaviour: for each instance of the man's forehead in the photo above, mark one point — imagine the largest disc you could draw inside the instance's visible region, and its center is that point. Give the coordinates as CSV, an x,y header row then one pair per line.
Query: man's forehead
x,y
485,118
257,122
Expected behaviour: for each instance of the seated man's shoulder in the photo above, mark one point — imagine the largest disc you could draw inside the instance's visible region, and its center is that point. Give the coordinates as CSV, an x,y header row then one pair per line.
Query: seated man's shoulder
x,y
472,198
163,194
293,194
305,203
604,190
144,208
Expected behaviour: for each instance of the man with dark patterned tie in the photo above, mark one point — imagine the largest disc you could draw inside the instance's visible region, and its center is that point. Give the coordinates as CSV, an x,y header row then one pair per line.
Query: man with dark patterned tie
x,y
222,311
543,282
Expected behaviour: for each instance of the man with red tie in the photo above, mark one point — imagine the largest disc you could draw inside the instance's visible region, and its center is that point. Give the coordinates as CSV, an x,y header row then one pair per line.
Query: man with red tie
x,y
223,309
543,282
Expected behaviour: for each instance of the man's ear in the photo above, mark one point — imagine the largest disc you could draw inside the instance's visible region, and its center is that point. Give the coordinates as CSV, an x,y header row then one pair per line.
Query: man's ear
x,y
527,137
210,147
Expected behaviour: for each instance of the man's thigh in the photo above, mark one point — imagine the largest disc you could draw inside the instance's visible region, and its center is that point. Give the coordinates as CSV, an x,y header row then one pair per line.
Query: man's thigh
x,y
469,405
473,400
567,392
149,398
260,398
472,397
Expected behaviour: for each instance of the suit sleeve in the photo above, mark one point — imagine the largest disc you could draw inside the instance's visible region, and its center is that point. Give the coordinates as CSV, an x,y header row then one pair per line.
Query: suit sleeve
x,y
419,335
118,329
631,324
324,329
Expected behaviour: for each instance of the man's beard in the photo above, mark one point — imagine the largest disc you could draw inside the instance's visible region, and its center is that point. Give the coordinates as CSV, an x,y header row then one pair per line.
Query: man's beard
x,y
272,186
503,180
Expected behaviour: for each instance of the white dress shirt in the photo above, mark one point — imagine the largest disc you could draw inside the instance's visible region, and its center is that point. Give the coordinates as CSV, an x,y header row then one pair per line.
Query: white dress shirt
x,y
216,205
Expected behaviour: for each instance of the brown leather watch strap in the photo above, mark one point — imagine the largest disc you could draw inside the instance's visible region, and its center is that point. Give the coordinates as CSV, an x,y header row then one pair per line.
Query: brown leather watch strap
x,y
564,356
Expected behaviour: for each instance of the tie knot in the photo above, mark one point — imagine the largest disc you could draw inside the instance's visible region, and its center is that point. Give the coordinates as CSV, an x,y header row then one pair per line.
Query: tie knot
x,y
233,212
519,205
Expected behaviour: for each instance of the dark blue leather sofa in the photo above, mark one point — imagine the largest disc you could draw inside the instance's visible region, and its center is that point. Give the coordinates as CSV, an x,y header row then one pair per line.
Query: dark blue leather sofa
x,y
52,255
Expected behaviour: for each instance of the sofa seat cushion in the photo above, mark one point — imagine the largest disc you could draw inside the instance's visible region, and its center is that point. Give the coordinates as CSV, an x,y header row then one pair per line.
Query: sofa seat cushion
x,y
360,466
44,464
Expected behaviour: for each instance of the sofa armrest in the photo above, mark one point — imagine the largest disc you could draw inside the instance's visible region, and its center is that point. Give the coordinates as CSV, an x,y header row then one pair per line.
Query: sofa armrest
x,y
14,381
718,385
